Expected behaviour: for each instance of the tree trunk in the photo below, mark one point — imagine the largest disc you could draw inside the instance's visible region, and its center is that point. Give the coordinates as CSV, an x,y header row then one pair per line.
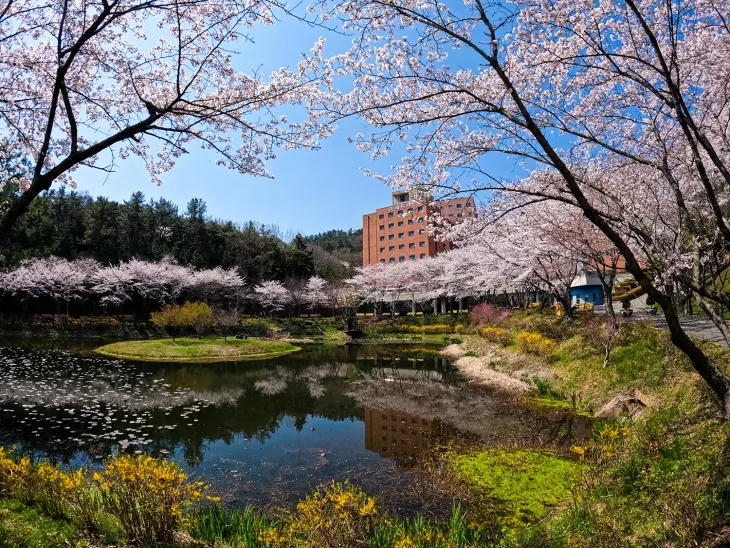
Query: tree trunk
x,y
716,318
608,300
703,364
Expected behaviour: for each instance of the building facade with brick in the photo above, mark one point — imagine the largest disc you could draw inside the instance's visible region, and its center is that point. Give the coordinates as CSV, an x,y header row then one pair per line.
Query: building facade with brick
x,y
399,232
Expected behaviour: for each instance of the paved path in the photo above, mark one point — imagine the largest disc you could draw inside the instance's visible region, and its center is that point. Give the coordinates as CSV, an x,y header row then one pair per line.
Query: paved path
x,y
697,326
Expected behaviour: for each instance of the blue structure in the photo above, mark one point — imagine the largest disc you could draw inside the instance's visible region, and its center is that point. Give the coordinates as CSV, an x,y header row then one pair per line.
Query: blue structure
x,y
582,294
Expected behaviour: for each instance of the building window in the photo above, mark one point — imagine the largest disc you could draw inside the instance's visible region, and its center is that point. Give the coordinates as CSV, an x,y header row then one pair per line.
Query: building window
x,y
381,216
468,213
401,246
390,214
412,257
400,213
400,234
400,223
459,215
423,255
468,204
390,225
391,236
382,238
421,244
410,210
382,227
391,248
382,250
420,208
410,221
420,219
411,233
458,206
392,260
420,231
382,261
401,259
411,246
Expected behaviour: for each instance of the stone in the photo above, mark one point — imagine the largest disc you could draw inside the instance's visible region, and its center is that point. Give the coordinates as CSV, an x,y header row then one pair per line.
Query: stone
x,y
632,404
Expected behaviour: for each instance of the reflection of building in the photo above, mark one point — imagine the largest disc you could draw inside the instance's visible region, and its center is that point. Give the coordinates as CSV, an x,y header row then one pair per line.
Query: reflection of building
x,y
395,434
399,232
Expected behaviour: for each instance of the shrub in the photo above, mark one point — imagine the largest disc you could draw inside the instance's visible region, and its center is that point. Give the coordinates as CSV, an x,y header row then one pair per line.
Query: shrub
x,y
534,343
487,314
337,516
198,317
52,489
256,327
148,496
496,335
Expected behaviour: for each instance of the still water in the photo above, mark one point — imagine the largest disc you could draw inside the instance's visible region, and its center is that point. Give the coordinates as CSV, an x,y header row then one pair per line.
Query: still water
x,y
266,432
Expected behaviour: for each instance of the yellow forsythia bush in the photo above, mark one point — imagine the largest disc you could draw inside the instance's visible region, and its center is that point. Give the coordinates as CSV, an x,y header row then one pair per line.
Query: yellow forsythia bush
x,y
335,516
496,335
435,329
147,496
534,343
41,483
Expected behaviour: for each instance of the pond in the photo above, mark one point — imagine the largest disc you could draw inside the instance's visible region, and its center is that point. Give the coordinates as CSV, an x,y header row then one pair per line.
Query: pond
x,y
267,432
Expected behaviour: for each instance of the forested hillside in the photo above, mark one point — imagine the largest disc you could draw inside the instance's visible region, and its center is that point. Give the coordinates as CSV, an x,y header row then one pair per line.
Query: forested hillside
x,y
73,225
336,252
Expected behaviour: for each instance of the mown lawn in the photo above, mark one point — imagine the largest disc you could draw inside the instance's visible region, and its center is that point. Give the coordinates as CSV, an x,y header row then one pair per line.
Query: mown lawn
x,y
190,349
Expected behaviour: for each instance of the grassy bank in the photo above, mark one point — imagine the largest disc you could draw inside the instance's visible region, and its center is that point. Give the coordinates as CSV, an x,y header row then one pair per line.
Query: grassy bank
x,y
654,476
188,349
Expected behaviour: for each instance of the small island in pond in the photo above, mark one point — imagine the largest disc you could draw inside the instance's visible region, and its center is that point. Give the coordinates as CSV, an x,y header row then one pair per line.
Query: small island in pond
x,y
192,349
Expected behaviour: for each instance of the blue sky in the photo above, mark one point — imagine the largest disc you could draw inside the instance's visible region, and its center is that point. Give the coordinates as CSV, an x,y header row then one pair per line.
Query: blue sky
x,y
312,191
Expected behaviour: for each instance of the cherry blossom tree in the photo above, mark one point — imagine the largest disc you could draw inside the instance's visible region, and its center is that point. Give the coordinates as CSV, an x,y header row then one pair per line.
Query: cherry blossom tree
x,y
216,285
618,109
335,296
26,282
84,84
272,296
315,292
65,280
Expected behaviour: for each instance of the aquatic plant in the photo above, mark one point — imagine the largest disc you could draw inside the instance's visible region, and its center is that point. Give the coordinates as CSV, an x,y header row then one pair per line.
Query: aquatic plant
x,y
419,532
214,525
528,483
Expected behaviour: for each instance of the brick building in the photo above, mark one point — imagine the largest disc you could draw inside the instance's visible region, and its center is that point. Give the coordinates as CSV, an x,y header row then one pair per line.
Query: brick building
x,y
399,232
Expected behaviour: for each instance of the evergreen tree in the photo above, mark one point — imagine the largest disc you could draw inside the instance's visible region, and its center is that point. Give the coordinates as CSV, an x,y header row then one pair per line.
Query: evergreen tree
x,y
299,259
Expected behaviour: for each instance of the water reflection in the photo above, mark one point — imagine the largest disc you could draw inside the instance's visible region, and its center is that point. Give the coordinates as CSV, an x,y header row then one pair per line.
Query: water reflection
x,y
266,431
402,436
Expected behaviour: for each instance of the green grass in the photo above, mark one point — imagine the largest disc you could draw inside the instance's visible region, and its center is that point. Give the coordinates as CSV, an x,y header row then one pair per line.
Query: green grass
x,y
187,349
25,527
216,526
528,483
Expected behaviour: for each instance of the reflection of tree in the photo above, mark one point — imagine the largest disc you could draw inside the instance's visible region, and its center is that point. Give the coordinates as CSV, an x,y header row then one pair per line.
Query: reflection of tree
x,y
562,430
239,407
